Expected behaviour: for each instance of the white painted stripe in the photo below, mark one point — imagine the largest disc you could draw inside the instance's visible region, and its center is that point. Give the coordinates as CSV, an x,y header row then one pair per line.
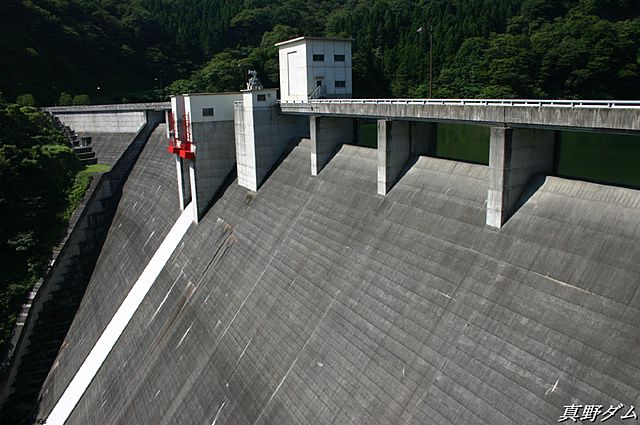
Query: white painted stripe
x,y
119,321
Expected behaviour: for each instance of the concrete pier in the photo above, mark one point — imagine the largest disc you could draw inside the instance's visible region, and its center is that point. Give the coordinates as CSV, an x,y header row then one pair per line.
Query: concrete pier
x,y
515,155
203,127
327,134
394,149
397,141
263,135
184,185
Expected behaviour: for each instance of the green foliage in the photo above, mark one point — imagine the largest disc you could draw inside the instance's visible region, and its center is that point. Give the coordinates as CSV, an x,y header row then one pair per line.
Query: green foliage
x,y
505,48
95,168
65,99
26,100
76,194
81,99
38,172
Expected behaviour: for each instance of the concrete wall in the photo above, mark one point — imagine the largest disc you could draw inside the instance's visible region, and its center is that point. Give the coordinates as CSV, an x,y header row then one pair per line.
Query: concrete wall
x,y
394,149
104,122
397,142
214,160
184,181
222,104
124,118
596,119
515,156
262,137
327,134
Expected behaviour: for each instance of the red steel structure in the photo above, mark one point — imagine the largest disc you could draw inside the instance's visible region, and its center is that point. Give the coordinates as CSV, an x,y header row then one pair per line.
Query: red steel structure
x,y
180,136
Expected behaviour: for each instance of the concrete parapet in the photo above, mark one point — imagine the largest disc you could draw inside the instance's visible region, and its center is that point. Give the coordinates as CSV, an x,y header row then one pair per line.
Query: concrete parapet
x,y
515,156
555,115
327,134
125,118
263,135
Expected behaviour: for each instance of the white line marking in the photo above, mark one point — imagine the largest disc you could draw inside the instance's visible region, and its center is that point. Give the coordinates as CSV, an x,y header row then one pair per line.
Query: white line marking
x,y
119,322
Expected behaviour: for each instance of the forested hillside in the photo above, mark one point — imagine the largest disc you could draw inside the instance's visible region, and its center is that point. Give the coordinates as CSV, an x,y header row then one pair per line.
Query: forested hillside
x,y
128,50
40,189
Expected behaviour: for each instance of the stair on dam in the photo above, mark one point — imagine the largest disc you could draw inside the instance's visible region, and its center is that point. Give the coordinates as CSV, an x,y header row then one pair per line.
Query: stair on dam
x,y
315,300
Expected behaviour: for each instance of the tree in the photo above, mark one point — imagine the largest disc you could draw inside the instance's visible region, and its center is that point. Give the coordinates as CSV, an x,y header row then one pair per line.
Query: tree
x,y
65,99
81,99
26,100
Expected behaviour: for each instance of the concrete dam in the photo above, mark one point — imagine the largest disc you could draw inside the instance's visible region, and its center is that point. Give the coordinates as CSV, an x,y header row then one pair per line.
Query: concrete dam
x,y
340,284
317,300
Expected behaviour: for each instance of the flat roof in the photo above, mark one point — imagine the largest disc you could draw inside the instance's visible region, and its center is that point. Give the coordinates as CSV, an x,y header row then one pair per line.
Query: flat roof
x,y
295,40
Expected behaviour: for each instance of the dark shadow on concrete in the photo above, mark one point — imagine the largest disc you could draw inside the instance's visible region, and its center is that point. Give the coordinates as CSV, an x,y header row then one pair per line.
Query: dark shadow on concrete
x,y
535,182
331,156
413,159
228,181
293,143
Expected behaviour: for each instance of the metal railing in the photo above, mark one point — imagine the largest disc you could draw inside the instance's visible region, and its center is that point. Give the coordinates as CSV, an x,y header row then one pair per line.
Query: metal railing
x,y
607,104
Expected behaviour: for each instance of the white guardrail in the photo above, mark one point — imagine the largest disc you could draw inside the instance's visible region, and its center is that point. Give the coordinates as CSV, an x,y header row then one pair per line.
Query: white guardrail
x,y
607,104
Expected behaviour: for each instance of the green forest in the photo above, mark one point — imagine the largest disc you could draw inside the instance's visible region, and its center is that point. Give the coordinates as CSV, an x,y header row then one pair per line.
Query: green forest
x,y
40,189
106,51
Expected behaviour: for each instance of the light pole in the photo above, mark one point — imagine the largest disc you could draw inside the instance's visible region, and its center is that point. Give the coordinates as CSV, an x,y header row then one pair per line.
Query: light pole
x,y
421,30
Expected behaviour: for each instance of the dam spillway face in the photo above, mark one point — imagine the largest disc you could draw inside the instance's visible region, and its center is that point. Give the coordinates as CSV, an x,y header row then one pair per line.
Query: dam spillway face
x,y
315,300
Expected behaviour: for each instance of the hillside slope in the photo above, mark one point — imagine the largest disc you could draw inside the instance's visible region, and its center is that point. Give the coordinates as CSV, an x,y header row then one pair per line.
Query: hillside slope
x,y
317,301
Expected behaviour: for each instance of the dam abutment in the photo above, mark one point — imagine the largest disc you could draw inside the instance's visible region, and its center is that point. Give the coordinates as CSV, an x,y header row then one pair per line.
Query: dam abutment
x,y
54,305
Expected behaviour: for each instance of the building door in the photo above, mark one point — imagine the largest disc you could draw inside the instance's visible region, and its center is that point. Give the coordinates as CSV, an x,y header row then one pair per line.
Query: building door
x,y
293,74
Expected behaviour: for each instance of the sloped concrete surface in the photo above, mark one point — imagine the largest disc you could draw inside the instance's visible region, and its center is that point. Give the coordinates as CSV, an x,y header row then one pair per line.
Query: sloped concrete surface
x,y
110,146
317,301
147,209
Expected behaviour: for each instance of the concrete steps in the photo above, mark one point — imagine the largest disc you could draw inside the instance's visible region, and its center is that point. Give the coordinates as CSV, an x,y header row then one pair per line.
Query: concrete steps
x,y
81,145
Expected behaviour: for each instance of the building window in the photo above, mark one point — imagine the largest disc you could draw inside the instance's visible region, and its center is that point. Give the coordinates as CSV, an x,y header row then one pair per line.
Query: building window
x,y
207,112
341,84
262,98
339,58
318,58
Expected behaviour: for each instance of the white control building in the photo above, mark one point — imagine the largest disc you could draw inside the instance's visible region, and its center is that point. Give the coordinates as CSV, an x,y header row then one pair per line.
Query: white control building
x,y
315,68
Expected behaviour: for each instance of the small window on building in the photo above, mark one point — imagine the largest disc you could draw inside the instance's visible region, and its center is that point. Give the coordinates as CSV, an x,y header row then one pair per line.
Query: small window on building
x,y
341,84
318,58
339,58
262,98
207,112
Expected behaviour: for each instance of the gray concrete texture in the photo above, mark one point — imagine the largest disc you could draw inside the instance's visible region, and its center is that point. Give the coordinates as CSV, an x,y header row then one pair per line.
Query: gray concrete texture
x,y
108,147
317,301
147,209
262,137
104,122
214,160
565,118
515,155
327,135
